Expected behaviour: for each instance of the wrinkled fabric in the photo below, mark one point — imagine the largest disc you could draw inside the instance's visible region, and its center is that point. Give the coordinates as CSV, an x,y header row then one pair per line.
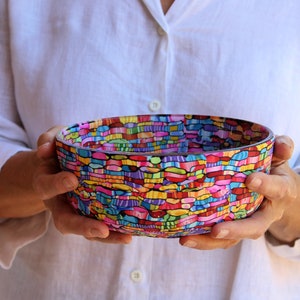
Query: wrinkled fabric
x,y
69,61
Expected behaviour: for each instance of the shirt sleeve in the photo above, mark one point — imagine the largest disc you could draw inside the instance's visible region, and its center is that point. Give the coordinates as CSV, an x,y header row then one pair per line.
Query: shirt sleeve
x,y
14,233
17,233
12,135
297,166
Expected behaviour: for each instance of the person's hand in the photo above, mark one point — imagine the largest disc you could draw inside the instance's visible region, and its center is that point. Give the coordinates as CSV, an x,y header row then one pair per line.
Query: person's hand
x,y
278,214
31,182
52,184
29,177
19,196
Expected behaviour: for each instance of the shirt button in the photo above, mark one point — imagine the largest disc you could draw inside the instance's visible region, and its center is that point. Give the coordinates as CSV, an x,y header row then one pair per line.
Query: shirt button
x,y
154,105
136,276
160,31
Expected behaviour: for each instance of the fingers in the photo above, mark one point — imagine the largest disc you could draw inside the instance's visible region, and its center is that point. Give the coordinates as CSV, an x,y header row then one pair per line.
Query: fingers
x,y
249,228
227,234
49,136
46,143
207,242
50,182
114,238
279,185
48,186
280,192
68,222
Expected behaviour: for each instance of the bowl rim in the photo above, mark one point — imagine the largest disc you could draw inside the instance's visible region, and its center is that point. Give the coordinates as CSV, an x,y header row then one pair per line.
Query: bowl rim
x,y
59,138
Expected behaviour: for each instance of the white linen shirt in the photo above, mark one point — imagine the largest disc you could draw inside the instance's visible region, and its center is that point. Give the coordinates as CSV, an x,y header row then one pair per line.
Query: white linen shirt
x,y
67,61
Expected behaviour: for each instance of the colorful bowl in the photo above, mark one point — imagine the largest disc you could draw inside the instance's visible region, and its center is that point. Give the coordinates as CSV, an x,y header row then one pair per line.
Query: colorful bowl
x,y
164,175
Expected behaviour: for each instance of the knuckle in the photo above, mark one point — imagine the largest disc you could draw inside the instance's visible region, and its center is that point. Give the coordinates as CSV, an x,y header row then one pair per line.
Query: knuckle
x,y
284,190
37,185
278,215
230,243
44,138
60,225
255,236
278,189
57,186
47,187
48,136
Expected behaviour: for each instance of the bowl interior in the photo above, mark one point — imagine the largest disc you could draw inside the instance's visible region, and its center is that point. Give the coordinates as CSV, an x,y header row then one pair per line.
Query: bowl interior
x,y
161,134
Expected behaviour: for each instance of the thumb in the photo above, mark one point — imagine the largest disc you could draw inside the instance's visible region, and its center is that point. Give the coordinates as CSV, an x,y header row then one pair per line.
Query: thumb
x,y
46,142
283,150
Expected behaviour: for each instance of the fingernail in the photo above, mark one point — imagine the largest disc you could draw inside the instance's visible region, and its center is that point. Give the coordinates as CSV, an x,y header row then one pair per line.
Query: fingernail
x,y
285,141
43,150
222,234
190,244
45,145
256,182
96,233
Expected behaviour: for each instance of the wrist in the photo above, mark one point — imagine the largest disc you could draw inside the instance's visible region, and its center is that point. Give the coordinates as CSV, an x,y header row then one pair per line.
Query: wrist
x,y
278,242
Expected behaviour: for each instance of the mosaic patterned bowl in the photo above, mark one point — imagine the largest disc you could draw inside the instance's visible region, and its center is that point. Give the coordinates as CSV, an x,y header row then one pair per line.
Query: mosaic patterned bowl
x,y
164,175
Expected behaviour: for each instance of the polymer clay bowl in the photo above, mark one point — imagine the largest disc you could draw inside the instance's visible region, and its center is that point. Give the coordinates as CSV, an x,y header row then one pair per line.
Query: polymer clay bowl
x,y
164,175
